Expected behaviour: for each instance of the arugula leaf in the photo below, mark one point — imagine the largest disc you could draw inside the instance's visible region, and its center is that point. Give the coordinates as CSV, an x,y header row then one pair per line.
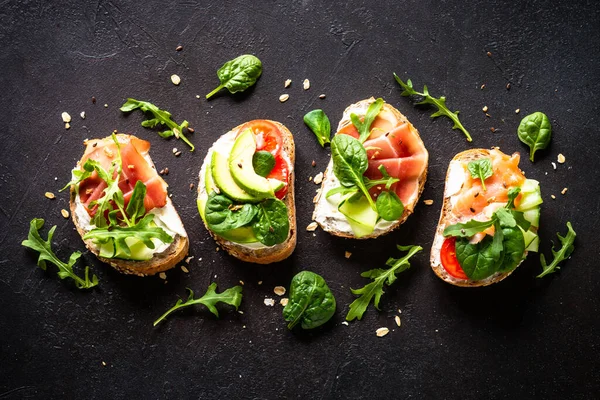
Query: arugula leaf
x,y
505,217
161,117
319,124
112,192
512,195
78,175
439,103
231,296
481,169
135,209
562,254
44,247
374,290
364,127
467,229
238,74
142,231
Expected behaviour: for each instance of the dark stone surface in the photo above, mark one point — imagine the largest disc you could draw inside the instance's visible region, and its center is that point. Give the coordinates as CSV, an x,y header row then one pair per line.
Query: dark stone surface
x,y
523,338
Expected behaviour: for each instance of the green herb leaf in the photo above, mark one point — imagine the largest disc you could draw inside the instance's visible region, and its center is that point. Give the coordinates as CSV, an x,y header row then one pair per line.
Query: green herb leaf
x,y
263,162
439,103
161,117
310,303
512,195
222,215
481,169
231,296
567,247
535,131
319,124
350,163
44,247
374,290
271,225
364,127
238,74
389,206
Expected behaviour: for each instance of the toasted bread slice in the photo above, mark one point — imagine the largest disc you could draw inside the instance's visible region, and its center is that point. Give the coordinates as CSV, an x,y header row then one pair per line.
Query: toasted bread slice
x,y
259,254
453,181
334,222
162,261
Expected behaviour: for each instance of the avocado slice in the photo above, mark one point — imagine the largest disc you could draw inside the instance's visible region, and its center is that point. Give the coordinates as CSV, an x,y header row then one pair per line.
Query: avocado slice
x,y
360,215
225,182
209,182
242,170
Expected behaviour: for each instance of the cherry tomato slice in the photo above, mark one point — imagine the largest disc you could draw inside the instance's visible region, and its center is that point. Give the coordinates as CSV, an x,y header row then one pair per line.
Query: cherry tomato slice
x,y
268,137
280,171
449,260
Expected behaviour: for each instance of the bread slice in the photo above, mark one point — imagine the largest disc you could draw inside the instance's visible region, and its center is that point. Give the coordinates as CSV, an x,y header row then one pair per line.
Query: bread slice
x,y
436,264
261,255
332,221
163,261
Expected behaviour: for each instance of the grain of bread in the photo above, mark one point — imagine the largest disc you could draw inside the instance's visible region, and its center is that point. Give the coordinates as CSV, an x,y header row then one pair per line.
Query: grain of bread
x,y
161,262
436,264
329,225
271,254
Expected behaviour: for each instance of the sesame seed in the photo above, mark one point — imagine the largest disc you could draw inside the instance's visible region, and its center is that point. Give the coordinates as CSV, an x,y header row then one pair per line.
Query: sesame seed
x,y
518,110
428,202
382,332
553,164
345,323
64,213
318,178
312,227
103,364
175,79
306,84
190,129
553,197
179,48
184,269
561,159
197,96
260,282
178,154
397,319
287,83
563,191
49,195
241,282
284,97
279,290
347,254
105,105
482,86
322,96
269,302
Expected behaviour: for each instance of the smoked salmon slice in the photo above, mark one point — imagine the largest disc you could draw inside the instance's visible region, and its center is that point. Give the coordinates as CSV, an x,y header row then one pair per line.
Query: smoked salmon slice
x,y
135,167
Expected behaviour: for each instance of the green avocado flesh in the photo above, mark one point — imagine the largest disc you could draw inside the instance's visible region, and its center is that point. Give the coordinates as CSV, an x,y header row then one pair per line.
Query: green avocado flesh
x,y
360,215
242,170
239,235
225,182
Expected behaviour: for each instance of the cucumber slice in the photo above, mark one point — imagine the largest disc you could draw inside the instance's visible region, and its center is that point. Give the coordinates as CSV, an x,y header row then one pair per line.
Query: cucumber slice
x,y
533,216
360,215
532,241
531,195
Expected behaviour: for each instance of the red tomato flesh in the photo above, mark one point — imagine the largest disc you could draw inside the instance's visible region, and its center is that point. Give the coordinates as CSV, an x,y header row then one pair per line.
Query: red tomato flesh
x,y
449,260
268,137
280,171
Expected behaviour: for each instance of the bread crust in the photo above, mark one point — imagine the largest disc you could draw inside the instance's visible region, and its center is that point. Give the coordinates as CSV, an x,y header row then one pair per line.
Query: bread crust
x,y
159,263
279,252
436,264
408,208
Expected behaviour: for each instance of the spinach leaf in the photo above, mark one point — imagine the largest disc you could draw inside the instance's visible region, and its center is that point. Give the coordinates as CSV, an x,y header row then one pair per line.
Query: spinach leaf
x,y
144,231
514,248
364,127
65,270
231,296
374,290
481,169
535,131
439,103
350,163
562,254
161,117
319,123
310,303
467,229
478,260
263,162
389,206
238,74
222,215
271,225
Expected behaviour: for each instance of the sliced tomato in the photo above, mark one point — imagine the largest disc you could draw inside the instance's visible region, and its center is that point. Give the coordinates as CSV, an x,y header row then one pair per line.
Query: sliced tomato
x,y
268,137
280,171
449,260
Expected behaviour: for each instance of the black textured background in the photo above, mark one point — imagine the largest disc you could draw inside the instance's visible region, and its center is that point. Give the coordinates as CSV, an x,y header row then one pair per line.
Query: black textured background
x,y
523,338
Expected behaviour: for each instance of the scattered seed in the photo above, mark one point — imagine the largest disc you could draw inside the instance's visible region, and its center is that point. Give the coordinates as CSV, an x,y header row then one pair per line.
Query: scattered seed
x,y
217,249
179,48
191,130
103,364
313,163
553,164
67,125
397,319
561,159
284,301
240,312
190,258
482,86
174,150
191,186
197,96
553,197
50,195
178,154
184,269
382,332
310,178
279,290
284,97
105,105
489,53
563,191
347,254
66,117
269,302
493,129
166,170
518,110
162,275
508,86
175,79
488,115
306,84
428,202
485,108
318,178
260,282
241,282
312,227
64,213
287,83
82,114
161,172
322,96
93,100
